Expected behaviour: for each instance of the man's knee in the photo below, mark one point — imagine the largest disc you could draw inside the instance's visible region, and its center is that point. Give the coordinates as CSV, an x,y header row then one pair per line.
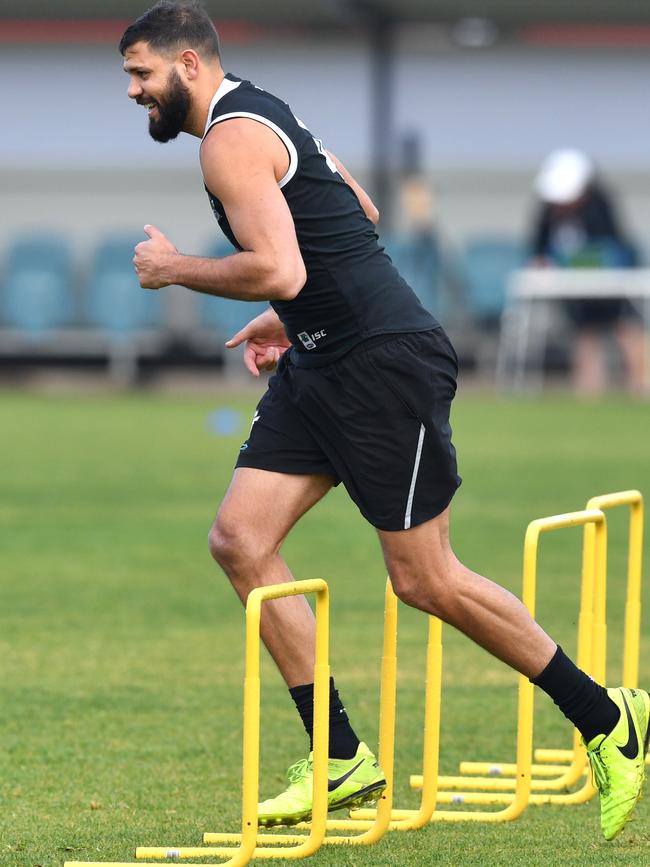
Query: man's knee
x,y
228,542
429,590
218,543
235,544
406,592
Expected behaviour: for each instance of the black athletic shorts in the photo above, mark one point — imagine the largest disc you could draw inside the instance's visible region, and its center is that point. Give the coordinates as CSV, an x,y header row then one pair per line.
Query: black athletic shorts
x,y
376,420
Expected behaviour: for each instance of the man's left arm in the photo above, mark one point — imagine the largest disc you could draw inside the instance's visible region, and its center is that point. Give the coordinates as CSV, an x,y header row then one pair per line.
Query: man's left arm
x,y
367,204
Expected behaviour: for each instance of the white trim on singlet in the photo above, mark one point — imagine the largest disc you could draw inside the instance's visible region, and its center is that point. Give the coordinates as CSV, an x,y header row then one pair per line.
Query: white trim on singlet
x,y
225,87
416,467
281,134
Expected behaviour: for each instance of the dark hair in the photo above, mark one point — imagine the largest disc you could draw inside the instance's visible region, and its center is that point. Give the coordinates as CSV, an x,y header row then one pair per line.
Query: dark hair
x,y
168,25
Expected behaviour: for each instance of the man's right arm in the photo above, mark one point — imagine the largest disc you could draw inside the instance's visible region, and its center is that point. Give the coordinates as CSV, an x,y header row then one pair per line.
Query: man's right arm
x,y
242,161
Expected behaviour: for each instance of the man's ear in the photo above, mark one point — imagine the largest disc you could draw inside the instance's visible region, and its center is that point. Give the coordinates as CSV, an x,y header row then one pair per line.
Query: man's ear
x,y
190,60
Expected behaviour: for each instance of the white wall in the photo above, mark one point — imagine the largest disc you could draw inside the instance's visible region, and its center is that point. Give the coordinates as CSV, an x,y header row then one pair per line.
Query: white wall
x,y
75,153
68,105
507,108
499,108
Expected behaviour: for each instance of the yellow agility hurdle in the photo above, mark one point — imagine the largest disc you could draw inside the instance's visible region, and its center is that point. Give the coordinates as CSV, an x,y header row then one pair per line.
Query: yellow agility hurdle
x,y
632,629
631,645
412,819
592,633
373,831
247,848
378,820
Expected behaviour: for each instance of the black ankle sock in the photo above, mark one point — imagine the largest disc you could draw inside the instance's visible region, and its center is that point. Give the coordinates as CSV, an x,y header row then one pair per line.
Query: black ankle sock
x,y
582,701
343,741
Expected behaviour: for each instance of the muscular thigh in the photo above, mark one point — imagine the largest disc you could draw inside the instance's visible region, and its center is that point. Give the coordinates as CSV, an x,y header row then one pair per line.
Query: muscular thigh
x,y
267,504
419,550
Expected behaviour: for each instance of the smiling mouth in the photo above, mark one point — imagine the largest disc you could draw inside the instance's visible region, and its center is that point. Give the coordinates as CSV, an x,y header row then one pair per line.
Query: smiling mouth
x,y
150,106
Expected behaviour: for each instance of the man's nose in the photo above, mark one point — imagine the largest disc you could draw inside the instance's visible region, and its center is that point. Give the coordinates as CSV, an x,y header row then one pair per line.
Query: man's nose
x,y
134,90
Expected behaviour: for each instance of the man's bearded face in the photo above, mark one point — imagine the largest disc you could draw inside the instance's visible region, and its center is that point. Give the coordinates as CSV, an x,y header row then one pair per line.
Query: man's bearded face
x,y
168,113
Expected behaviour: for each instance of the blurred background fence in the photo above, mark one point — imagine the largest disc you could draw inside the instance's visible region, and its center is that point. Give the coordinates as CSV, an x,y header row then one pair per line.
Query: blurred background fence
x,y
444,111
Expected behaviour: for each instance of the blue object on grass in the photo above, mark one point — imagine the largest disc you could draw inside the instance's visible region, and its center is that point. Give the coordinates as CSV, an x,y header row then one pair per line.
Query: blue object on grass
x,y
225,422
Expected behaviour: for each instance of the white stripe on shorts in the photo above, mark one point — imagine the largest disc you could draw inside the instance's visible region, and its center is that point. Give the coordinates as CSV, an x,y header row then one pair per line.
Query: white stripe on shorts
x,y
416,467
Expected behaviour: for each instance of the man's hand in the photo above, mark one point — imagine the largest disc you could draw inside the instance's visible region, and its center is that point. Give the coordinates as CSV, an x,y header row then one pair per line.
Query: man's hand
x,y
153,260
265,340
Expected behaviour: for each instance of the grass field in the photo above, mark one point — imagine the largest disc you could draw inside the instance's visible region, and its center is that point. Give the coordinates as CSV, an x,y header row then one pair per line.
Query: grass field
x,y
121,643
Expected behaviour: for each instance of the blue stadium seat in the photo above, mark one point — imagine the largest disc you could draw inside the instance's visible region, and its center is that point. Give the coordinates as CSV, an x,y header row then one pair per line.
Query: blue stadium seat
x,y
486,264
418,260
38,287
224,315
113,298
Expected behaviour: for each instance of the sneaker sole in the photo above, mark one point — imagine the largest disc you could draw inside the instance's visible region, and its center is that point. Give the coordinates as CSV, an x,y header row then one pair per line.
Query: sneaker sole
x,y
368,795
361,797
283,821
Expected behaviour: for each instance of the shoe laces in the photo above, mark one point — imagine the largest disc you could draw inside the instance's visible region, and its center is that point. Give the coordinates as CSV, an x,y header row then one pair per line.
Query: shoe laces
x,y
299,771
599,775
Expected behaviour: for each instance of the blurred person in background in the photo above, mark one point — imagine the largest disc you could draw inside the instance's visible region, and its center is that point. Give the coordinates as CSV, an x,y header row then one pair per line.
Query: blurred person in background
x,y
423,253
362,395
576,227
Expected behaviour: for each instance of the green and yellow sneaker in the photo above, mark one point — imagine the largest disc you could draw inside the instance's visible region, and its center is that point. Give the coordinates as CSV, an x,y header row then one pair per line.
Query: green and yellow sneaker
x,y
618,759
351,783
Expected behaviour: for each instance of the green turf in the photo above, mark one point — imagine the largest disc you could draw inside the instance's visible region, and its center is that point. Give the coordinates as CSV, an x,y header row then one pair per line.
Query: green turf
x,y
121,643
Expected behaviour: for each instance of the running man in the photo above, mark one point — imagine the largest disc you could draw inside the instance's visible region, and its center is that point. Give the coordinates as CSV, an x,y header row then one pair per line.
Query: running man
x,y
362,393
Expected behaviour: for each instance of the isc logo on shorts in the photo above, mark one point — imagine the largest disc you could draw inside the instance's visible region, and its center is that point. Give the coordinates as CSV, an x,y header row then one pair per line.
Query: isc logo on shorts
x,y
309,340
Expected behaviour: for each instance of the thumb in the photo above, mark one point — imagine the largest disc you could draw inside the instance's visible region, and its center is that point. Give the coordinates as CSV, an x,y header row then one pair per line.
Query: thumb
x,y
152,231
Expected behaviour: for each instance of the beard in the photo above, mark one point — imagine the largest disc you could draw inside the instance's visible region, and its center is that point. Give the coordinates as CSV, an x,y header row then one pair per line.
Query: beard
x,y
173,109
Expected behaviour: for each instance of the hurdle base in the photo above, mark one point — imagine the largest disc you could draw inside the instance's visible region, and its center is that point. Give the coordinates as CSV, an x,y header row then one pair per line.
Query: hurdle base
x,y
491,783
501,769
130,864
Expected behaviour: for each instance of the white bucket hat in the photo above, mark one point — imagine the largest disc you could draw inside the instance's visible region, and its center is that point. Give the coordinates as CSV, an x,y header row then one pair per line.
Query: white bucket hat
x,y
564,176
